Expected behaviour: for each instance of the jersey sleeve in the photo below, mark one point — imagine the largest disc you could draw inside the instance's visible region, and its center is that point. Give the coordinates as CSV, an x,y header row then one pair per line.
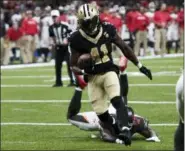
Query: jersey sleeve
x,y
74,42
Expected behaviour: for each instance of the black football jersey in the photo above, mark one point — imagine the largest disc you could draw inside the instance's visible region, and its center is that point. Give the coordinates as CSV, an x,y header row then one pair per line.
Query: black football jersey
x,y
100,48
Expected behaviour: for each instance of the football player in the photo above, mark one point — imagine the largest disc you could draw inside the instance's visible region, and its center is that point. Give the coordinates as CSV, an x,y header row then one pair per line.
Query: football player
x,y
89,121
179,134
95,38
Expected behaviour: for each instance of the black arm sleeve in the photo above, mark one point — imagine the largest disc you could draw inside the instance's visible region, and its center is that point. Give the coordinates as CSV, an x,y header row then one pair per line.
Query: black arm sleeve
x,y
75,104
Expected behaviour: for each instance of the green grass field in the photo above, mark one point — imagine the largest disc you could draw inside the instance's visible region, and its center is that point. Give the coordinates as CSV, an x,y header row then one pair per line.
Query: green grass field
x,y
27,98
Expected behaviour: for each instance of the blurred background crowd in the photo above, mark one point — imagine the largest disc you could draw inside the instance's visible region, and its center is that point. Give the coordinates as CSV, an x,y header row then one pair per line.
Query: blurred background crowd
x,y
150,27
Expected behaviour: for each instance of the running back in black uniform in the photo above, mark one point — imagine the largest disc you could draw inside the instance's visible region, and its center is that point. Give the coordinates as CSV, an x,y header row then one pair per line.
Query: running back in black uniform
x,y
100,48
96,38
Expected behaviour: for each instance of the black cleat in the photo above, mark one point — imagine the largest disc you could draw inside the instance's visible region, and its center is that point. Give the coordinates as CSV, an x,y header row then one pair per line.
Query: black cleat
x,y
125,135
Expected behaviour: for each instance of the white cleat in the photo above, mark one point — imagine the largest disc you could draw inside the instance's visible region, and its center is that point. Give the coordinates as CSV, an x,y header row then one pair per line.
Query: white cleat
x,y
119,141
153,139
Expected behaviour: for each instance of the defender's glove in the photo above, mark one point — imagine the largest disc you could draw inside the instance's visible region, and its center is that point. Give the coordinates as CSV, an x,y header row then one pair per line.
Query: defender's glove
x,y
80,81
123,63
145,71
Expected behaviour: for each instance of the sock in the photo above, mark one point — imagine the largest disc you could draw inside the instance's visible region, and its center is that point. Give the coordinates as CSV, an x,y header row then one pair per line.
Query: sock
x,y
179,138
124,86
105,117
121,112
75,104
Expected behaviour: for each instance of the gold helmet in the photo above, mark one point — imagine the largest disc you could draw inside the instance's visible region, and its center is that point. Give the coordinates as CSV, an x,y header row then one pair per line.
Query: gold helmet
x,y
88,18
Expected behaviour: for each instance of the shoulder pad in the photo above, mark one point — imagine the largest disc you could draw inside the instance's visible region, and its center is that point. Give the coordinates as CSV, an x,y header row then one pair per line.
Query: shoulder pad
x,y
73,35
110,28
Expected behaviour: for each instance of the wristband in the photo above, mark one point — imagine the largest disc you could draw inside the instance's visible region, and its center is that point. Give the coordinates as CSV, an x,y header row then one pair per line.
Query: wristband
x,y
139,65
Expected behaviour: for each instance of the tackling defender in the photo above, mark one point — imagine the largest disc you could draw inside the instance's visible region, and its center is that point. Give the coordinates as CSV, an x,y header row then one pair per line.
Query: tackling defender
x,y
94,39
89,121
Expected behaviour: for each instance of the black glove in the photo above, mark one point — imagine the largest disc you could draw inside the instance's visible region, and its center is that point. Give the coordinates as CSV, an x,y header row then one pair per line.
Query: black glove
x,y
146,71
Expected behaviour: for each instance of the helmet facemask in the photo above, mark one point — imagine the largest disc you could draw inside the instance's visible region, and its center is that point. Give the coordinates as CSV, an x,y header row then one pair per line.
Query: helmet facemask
x,y
88,19
90,26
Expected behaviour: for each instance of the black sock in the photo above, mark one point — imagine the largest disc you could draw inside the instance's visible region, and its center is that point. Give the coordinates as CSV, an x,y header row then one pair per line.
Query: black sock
x,y
75,104
179,137
121,111
124,87
105,117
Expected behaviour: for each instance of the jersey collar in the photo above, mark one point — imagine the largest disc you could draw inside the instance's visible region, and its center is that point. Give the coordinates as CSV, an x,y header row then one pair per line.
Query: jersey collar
x,y
93,40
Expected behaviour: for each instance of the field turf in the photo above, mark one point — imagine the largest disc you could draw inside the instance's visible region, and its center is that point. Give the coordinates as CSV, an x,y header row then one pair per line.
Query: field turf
x,y
33,113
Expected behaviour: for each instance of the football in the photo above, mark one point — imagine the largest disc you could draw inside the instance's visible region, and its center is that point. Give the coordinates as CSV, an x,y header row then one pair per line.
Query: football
x,y
84,61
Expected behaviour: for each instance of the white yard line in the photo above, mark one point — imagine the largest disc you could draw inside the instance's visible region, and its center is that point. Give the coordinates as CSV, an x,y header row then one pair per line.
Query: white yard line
x,y
83,101
26,77
66,124
47,85
129,67
17,142
25,110
52,62
65,78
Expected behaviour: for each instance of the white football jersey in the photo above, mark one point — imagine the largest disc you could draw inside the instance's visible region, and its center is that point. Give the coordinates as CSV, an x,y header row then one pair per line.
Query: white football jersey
x,y
125,32
93,119
16,18
45,39
151,26
173,31
72,21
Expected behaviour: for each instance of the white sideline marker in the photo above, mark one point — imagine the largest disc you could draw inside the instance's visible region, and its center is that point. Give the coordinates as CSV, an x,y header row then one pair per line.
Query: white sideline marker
x,y
83,101
47,85
68,124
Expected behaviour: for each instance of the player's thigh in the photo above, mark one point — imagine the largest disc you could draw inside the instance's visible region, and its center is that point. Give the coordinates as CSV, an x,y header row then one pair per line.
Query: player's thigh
x,y
112,85
97,97
180,97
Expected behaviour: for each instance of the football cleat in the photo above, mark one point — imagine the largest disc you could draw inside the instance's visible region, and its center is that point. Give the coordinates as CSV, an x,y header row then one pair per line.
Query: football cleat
x,y
153,136
125,135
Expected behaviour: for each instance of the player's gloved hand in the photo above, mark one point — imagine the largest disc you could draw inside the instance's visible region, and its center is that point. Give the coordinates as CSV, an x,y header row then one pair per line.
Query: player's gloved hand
x,y
145,71
123,63
80,81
